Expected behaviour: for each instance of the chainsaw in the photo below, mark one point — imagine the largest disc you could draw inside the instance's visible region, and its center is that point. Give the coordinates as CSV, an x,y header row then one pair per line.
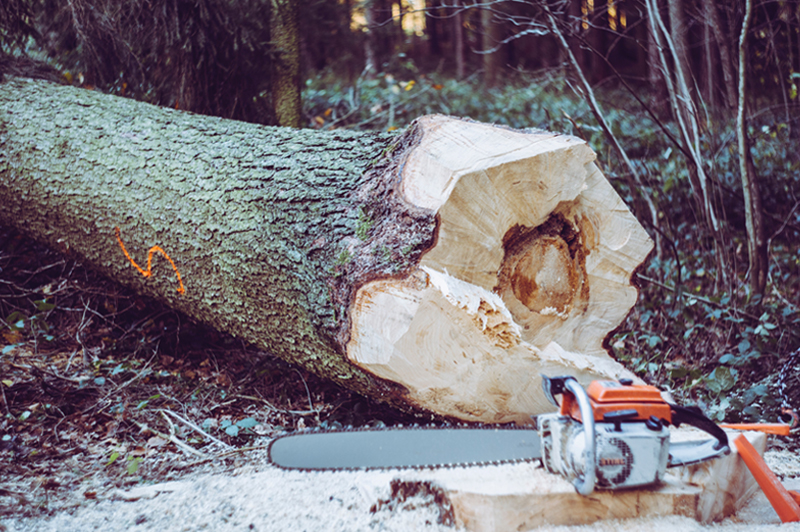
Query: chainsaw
x,y
614,434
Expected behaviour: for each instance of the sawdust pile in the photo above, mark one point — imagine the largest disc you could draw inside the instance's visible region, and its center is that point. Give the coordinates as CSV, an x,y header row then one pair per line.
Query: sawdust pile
x,y
252,495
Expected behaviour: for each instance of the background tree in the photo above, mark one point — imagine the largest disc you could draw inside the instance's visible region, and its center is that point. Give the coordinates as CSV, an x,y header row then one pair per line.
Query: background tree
x,y
492,41
756,243
286,65
203,56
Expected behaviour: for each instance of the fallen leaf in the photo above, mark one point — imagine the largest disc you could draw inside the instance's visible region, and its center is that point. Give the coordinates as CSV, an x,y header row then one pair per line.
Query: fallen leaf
x,y
12,336
138,451
155,441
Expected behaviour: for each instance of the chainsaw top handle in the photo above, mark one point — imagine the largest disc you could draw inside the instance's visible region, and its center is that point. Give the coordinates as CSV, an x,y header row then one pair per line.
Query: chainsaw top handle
x,y
585,485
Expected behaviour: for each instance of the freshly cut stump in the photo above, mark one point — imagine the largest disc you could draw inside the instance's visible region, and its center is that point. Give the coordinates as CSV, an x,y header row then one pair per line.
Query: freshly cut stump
x,y
525,496
530,272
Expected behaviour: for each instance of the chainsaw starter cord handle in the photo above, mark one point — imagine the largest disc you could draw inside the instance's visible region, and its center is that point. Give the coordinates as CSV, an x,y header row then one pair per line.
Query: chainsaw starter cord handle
x,y
585,486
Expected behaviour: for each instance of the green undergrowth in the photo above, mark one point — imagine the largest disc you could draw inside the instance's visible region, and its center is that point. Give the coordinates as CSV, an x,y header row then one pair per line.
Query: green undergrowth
x,y
699,334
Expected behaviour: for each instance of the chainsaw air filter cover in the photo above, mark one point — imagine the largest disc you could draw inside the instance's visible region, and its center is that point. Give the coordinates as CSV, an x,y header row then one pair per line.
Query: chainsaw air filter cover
x,y
630,454
631,435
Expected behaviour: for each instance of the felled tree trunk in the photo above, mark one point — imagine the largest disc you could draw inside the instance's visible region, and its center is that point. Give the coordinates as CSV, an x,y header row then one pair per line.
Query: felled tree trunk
x,y
442,269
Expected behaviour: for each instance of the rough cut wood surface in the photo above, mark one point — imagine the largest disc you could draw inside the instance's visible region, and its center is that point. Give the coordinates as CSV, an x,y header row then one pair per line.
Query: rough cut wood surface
x,y
530,272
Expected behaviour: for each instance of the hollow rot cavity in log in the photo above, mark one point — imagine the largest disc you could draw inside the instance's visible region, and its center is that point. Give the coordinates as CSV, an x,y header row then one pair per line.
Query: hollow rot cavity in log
x,y
544,268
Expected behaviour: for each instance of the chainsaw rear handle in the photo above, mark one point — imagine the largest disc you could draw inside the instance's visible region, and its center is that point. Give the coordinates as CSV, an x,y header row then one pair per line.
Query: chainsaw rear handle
x,y
687,453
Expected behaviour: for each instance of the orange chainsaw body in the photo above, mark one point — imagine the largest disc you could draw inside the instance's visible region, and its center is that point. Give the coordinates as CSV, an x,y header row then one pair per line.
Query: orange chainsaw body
x,y
613,396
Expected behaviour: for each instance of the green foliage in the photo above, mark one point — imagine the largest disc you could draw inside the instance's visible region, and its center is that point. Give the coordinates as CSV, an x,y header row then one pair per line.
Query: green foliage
x,y
233,429
713,347
20,327
688,332
393,100
16,24
112,458
344,257
132,462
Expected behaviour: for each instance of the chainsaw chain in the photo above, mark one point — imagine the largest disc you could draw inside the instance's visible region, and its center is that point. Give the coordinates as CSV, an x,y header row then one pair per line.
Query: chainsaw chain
x,y
789,380
427,467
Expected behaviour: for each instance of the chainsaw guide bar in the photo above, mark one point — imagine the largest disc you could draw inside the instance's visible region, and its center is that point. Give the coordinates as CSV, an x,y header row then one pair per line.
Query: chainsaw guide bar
x,y
612,435
404,448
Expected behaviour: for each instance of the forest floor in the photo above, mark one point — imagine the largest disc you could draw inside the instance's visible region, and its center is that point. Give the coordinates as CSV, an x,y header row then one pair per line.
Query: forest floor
x,y
121,414
241,491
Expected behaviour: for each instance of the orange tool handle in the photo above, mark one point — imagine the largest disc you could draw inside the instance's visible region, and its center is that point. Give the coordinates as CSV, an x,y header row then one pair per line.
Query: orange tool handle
x,y
781,429
784,501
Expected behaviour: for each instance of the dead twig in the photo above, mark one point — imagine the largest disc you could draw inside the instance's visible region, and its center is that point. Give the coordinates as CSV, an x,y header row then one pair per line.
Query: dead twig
x,y
308,393
130,381
195,427
47,371
270,406
171,437
220,455
5,401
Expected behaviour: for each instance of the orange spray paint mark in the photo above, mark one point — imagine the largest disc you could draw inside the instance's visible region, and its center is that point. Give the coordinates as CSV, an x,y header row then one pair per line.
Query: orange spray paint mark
x,y
149,271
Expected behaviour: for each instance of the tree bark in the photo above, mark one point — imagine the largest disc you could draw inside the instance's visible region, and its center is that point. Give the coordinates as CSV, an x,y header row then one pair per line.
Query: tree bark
x,y
597,38
679,31
756,241
440,270
286,67
714,21
659,99
432,27
492,44
373,52
458,36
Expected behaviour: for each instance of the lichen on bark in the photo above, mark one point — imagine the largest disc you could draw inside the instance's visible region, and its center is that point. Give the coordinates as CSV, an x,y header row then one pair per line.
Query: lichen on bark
x,y
256,218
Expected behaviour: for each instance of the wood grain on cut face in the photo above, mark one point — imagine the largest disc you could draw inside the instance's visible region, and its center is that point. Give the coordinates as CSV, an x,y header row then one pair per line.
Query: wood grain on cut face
x,y
529,273
457,350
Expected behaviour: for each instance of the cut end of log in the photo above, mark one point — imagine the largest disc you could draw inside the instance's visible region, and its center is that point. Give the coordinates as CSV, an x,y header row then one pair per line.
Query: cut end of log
x,y
457,350
530,272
